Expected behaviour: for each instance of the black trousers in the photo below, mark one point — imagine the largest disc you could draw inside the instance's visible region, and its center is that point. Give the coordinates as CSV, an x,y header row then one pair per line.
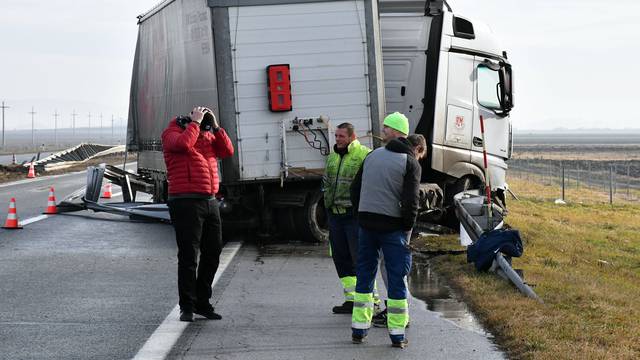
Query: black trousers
x,y
198,230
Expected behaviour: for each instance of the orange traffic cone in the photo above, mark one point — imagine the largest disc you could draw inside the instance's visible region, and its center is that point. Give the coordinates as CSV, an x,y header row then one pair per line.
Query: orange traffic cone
x,y
107,192
12,217
32,172
51,203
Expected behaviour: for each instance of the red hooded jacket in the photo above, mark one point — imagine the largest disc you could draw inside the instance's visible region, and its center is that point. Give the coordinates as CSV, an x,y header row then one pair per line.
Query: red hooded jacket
x,y
192,157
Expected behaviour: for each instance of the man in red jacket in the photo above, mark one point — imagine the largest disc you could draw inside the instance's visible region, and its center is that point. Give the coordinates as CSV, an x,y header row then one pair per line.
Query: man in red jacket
x,y
192,146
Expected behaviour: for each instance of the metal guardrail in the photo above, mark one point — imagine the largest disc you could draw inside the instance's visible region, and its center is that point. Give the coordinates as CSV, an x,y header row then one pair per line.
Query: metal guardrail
x,y
76,155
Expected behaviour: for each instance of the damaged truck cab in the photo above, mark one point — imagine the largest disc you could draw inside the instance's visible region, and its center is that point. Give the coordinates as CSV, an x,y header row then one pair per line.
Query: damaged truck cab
x,y
444,72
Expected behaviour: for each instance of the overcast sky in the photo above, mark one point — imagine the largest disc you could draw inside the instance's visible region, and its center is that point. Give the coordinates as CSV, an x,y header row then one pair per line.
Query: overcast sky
x,y
575,61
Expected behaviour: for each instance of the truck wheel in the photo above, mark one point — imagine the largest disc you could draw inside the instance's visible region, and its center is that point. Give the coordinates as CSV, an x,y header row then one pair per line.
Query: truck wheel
x,y
311,221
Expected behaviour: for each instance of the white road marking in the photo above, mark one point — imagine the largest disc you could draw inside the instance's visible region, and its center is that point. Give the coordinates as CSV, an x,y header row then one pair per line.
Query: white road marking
x,y
33,219
167,334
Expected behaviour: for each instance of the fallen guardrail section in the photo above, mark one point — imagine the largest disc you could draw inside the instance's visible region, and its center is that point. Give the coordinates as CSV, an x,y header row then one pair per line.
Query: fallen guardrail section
x,y
489,241
87,198
75,155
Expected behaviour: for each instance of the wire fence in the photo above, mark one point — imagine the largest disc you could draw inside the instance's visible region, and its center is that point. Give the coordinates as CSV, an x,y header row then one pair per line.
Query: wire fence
x,y
615,181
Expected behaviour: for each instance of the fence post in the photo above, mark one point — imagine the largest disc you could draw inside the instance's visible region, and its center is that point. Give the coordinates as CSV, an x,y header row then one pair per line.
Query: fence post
x,y
628,182
562,164
610,185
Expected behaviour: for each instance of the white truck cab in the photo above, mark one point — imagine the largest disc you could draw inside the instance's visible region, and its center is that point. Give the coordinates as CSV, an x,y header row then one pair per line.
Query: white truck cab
x,y
445,71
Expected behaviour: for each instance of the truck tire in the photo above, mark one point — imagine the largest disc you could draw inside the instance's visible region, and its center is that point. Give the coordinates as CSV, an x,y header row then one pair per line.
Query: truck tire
x,y
311,220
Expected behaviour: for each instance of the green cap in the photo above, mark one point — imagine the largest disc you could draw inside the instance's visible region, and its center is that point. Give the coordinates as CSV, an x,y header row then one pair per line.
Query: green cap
x,y
397,121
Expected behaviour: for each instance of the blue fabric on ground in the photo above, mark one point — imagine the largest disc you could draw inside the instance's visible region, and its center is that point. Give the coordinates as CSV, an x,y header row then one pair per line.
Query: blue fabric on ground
x,y
483,251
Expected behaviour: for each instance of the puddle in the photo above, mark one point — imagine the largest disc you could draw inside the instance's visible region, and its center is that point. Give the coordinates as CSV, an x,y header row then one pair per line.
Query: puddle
x,y
427,286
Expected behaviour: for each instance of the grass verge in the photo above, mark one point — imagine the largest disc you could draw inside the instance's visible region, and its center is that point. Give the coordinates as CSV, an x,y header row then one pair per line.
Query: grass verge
x,y
584,260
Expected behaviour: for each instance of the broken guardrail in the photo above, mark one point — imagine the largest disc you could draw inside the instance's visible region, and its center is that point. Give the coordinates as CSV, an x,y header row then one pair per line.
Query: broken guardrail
x,y
75,155
472,212
87,198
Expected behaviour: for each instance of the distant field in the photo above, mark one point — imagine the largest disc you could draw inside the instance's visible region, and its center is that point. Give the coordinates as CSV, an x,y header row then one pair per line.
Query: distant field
x,y
630,137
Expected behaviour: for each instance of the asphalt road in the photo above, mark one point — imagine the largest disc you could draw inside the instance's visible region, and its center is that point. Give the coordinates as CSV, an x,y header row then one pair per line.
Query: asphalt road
x,y
81,286
99,286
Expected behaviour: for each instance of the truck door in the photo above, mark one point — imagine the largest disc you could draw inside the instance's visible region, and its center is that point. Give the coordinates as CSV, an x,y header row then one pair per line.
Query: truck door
x,y
404,84
486,104
460,103
404,45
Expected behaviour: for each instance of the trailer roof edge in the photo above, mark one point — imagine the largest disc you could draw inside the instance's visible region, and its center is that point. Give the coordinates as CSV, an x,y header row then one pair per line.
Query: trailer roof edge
x,y
232,3
159,6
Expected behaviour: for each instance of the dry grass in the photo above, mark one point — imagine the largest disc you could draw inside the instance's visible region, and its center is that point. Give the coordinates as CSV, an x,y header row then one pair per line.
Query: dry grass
x,y
578,152
536,189
584,260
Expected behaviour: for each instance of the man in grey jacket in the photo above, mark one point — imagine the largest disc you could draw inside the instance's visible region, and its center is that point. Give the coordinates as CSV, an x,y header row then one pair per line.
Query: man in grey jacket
x,y
386,190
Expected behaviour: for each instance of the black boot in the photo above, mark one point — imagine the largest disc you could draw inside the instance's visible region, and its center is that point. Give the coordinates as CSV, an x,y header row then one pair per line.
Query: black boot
x,y
206,310
186,316
345,308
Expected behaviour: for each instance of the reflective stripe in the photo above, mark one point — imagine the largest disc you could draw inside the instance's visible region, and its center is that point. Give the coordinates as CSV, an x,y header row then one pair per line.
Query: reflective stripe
x,y
362,310
361,326
391,310
397,314
349,287
396,331
11,216
363,305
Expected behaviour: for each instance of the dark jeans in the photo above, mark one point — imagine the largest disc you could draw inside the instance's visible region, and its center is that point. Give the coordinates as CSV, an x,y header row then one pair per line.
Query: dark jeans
x,y
397,258
343,236
198,229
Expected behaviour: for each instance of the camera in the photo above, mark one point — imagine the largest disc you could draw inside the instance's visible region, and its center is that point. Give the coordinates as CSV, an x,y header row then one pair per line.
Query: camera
x,y
183,120
207,121
205,125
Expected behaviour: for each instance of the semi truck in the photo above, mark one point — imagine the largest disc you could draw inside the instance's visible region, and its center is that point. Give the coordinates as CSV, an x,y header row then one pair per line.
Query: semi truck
x,y
281,74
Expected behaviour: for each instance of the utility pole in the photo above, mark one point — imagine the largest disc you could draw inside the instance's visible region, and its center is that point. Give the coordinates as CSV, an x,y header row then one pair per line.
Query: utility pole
x,y
100,132
73,124
55,128
3,107
33,138
112,140
89,139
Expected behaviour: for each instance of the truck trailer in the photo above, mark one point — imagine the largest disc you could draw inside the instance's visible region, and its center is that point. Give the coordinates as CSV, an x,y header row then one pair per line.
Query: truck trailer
x,y
281,74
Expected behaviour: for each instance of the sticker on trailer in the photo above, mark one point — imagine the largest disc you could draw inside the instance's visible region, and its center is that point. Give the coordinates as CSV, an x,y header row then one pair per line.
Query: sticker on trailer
x,y
460,122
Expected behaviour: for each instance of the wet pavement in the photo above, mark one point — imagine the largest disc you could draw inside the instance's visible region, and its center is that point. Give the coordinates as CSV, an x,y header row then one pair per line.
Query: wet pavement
x,y
440,298
276,304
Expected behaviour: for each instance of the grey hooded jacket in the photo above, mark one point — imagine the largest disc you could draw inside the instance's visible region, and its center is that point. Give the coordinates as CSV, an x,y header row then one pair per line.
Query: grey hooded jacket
x,y
386,189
